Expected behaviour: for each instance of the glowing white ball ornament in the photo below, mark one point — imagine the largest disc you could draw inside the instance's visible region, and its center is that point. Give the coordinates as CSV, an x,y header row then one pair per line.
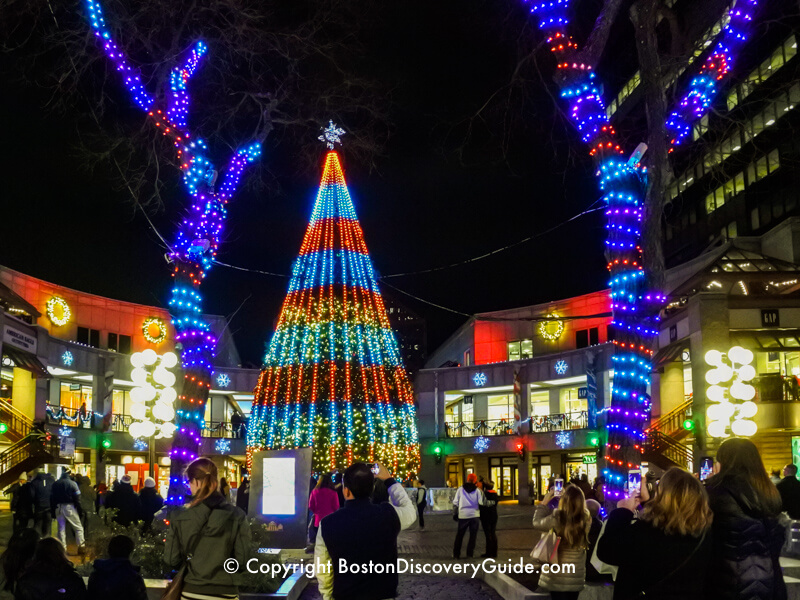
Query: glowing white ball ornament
x,y
149,356
744,428
729,377
714,357
169,360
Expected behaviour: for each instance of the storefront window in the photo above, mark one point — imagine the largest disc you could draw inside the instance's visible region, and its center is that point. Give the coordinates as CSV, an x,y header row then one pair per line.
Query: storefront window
x,y
576,467
75,395
6,384
451,413
120,402
540,403
570,402
501,408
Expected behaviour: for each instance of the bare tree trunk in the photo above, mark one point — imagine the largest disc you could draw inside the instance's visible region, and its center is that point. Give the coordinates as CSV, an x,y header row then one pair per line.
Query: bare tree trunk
x,y
598,39
644,16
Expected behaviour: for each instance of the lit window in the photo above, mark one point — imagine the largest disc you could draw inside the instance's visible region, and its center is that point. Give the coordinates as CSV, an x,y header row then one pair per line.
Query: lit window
x,y
762,169
526,349
513,351
738,182
774,161
731,230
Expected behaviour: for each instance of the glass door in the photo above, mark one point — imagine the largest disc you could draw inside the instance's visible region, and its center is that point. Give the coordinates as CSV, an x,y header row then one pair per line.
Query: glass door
x,y
505,481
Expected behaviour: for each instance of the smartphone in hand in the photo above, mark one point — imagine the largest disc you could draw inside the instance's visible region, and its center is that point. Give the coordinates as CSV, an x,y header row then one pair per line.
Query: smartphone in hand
x,y
559,487
634,483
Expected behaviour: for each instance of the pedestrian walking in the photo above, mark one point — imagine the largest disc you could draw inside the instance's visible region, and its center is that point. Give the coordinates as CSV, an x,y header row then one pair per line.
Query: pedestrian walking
x,y
488,512
243,494
124,500
789,489
422,502
202,537
116,577
363,533
150,502
41,491
323,501
87,500
16,558
748,534
466,511
101,489
666,553
571,522
50,576
65,501
21,504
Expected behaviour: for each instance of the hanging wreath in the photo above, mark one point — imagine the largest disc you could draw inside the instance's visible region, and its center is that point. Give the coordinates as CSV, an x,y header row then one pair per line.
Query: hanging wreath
x,y
551,330
154,330
58,311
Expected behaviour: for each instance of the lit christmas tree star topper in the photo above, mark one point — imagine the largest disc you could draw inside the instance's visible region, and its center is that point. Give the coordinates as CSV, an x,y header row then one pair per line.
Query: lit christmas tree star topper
x,y
331,135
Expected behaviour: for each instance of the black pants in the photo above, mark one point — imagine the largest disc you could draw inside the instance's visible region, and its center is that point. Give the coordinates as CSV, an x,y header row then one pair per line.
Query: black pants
x,y
564,595
490,530
421,513
463,525
21,521
43,523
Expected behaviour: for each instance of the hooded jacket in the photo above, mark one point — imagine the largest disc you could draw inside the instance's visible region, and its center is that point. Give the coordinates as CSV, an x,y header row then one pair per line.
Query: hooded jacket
x,y
41,490
224,533
116,578
468,499
747,544
126,502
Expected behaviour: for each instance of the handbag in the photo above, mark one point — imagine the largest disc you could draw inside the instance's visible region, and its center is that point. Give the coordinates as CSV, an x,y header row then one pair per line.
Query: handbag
x,y
546,549
175,587
643,593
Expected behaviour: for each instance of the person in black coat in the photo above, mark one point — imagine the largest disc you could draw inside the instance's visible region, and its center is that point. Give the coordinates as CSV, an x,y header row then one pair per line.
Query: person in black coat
x,y
150,501
50,576
789,489
748,535
243,495
115,577
41,489
21,502
125,501
488,511
666,554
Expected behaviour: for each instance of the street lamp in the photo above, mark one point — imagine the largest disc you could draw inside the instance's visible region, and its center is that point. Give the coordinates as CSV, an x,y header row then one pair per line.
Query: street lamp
x,y
730,393
153,398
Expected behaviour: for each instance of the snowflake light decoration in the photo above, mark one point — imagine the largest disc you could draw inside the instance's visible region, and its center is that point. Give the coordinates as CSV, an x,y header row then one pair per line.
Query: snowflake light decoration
x,y
479,379
561,367
67,359
223,380
140,445
563,439
331,135
481,444
222,446
65,431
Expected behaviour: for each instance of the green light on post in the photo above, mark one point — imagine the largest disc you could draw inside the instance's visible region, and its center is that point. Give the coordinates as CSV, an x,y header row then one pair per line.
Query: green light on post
x,y
688,425
106,444
3,428
594,439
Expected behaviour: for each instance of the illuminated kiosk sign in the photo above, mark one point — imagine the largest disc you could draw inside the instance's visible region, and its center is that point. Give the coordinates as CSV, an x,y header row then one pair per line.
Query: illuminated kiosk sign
x,y
279,488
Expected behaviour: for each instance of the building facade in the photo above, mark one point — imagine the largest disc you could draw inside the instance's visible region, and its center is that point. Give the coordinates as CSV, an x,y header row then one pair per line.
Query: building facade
x,y
66,364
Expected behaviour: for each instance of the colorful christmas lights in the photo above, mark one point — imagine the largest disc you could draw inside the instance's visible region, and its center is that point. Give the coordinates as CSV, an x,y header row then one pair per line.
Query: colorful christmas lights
x,y
333,378
58,311
198,238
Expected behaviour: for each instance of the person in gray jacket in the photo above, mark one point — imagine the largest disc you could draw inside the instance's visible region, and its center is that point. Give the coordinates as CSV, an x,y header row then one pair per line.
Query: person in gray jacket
x,y
216,530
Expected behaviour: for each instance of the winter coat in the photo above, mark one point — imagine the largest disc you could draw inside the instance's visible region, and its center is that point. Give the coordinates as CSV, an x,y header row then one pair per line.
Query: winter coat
x,y
126,502
322,502
747,544
21,499
422,495
88,495
116,578
43,582
41,490
789,489
545,519
648,558
468,499
489,508
151,502
224,533
243,496
65,491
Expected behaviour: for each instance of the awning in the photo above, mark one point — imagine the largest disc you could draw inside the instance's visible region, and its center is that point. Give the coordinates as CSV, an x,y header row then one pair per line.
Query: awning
x,y
667,354
26,360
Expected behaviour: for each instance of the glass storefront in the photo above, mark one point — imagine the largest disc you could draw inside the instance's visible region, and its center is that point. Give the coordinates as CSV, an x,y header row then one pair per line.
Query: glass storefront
x,y
501,408
74,395
504,471
576,466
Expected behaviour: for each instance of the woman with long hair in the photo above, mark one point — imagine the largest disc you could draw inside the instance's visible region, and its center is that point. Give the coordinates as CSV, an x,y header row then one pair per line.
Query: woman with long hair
x,y
571,522
748,536
204,535
666,553
50,576
15,559
323,501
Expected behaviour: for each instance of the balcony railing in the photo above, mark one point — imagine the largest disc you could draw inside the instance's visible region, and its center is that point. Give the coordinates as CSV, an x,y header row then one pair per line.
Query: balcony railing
x,y
72,417
537,424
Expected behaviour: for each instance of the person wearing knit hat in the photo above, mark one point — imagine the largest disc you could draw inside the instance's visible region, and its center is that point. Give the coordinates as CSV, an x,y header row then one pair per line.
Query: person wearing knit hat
x,y
125,501
150,501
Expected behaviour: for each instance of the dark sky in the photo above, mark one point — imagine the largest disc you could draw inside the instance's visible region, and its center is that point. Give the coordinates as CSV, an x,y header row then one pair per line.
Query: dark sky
x,y
421,209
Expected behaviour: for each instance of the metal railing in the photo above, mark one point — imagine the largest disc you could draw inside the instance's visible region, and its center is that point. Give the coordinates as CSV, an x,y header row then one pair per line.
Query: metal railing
x,y
776,388
18,424
222,429
72,417
536,424
673,420
672,449
34,444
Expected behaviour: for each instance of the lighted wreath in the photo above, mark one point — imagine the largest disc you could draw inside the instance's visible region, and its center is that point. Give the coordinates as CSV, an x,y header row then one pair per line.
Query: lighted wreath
x,y
154,330
58,311
551,330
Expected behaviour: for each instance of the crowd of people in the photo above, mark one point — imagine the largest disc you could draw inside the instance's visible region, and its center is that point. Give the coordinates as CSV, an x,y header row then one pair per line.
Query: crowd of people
x,y
679,539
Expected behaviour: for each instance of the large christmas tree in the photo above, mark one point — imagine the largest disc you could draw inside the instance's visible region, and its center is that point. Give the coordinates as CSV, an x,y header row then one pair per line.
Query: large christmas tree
x,y
333,378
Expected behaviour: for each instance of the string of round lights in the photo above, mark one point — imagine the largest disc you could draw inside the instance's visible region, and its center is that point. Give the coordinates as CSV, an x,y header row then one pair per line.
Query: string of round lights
x,y
154,330
551,330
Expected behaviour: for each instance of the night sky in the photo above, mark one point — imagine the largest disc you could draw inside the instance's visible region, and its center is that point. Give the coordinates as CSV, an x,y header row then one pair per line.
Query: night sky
x,y
422,208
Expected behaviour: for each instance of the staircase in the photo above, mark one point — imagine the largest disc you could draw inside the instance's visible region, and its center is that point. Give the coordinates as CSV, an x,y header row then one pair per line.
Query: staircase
x,y
671,423
32,451
19,425
663,446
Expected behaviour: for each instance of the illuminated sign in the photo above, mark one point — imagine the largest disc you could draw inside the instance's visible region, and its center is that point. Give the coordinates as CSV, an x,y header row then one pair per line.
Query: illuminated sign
x,y
278,493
